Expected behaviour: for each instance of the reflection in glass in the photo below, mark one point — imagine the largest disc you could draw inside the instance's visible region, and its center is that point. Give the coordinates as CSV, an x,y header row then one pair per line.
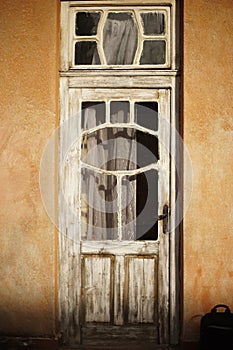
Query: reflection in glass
x,y
153,23
147,205
98,205
119,112
120,38
93,114
86,23
154,52
146,114
86,53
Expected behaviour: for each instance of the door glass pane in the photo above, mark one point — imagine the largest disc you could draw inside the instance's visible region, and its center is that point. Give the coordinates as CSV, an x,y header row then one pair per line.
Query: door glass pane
x,y
86,23
147,205
147,149
98,206
119,112
110,149
93,114
154,52
153,23
146,114
120,38
128,205
86,53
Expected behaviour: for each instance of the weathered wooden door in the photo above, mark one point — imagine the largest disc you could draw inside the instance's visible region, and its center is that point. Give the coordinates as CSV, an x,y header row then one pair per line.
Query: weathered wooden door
x,y
114,206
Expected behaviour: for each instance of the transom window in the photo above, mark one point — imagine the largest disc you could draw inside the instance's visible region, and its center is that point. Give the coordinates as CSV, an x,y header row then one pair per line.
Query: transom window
x,y
113,37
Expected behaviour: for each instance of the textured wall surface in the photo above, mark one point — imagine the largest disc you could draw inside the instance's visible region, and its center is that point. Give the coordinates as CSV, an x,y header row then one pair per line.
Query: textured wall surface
x,y
208,133
28,104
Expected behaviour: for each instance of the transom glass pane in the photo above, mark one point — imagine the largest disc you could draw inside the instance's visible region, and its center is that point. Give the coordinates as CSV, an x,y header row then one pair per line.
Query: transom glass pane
x,y
154,52
120,38
153,23
86,53
87,23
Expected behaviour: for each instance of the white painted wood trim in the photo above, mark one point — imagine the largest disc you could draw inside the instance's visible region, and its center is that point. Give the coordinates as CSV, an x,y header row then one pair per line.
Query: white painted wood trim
x,y
118,2
64,42
121,73
175,233
120,248
120,82
164,193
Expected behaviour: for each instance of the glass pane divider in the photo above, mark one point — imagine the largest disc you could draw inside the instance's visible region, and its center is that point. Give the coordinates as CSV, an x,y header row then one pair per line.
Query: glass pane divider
x,y
86,38
107,112
153,166
132,117
154,37
79,234
102,21
119,205
140,41
120,125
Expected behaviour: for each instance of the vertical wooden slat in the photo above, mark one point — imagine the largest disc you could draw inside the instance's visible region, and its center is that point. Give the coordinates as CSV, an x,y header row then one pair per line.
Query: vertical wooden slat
x,y
164,198
68,224
119,290
176,182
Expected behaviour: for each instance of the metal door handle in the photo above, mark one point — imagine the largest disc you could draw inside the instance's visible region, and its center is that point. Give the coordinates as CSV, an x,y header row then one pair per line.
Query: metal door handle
x,y
164,217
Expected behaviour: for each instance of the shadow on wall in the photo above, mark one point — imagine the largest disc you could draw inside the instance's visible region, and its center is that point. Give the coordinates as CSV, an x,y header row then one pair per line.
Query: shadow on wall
x,y
26,321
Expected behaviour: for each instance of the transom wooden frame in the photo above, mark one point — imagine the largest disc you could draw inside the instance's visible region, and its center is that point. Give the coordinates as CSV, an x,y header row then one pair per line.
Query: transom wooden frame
x,y
69,38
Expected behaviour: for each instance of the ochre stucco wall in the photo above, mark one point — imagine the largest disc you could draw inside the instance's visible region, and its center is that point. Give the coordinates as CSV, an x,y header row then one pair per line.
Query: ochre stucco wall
x,y
208,131
29,106
29,112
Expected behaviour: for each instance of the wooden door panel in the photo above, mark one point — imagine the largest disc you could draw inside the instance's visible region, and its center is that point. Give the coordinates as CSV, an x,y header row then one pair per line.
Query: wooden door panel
x,y
119,289
119,297
97,287
141,289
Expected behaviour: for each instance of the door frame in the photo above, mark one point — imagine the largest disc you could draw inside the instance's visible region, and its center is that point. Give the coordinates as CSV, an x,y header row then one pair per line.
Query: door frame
x,y
144,78
69,249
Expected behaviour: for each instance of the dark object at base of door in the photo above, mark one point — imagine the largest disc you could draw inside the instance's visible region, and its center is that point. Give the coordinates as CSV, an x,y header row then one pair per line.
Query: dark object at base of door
x,y
216,330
